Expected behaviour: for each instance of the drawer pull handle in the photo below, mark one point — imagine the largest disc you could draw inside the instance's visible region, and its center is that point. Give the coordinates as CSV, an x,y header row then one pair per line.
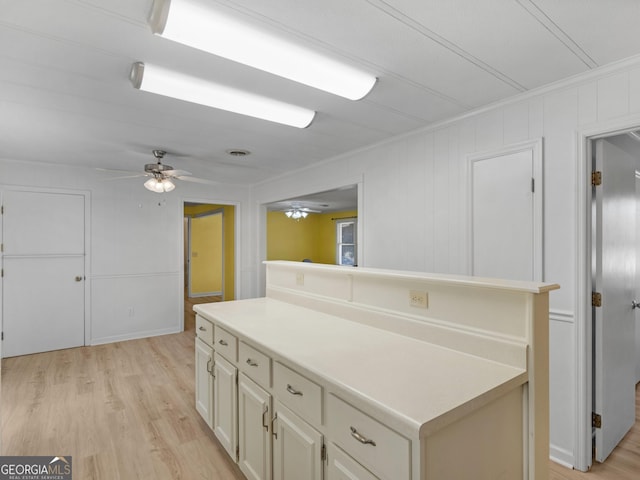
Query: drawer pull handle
x,y
360,438
293,391
223,343
202,329
251,363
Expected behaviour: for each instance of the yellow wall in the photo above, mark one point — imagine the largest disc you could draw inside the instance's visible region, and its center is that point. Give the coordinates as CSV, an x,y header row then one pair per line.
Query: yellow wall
x,y
313,237
206,254
229,242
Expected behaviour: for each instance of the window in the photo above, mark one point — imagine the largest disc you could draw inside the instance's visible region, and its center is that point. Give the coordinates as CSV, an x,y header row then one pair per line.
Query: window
x,y
346,242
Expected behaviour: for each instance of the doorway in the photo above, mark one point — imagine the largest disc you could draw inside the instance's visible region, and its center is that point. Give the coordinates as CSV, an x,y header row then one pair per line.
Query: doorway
x,y
608,375
209,256
44,256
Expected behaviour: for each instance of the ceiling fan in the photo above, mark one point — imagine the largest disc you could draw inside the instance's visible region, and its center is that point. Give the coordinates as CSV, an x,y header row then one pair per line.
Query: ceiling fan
x,y
162,175
296,211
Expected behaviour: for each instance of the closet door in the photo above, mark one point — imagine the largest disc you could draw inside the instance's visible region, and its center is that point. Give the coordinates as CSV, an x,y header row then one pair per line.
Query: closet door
x,y
43,261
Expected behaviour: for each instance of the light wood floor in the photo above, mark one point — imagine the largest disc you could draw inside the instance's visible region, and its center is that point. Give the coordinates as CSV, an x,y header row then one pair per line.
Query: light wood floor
x,y
622,464
126,411
122,411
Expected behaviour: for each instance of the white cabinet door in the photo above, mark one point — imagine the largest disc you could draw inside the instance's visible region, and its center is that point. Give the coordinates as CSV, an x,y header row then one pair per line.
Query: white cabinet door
x,y
225,404
343,467
297,448
254,435
204,381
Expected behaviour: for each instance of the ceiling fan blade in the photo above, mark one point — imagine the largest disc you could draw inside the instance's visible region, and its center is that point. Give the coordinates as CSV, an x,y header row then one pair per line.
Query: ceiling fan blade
x,y
197,180
175,173
110,170
124,176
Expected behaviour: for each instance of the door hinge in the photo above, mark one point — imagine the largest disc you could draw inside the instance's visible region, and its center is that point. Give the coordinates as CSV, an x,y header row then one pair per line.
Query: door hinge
x,y
237,453
596,420
596,178
533,185
2,336
596,299
2,273
2,210
323,453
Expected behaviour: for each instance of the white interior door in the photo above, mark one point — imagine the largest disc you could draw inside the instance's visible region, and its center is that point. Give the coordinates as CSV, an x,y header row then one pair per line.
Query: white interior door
x,y
506,240
43,286
614,278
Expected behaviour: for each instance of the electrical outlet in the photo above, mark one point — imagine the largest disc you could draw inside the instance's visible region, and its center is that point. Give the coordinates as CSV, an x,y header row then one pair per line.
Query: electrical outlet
x,y
418,299
299,279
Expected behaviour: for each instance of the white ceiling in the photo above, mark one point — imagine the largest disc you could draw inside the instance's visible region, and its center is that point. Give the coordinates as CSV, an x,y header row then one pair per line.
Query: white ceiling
x,y
65,96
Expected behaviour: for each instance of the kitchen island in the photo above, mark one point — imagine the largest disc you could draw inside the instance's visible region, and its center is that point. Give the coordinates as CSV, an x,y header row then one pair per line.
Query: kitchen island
x,y
374,374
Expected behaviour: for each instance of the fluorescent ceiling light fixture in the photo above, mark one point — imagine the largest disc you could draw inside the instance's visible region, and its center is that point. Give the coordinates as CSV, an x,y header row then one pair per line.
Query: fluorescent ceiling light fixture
x,y
162,81
191,23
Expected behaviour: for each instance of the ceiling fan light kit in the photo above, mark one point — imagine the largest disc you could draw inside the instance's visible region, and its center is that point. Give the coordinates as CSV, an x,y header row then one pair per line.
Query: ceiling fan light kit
x,y
161,81
191,23
296,214
159,185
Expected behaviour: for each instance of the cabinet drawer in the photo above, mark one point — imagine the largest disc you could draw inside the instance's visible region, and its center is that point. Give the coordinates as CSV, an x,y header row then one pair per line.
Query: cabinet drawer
x,y
386,453
226,344
204,330
255,364
298,393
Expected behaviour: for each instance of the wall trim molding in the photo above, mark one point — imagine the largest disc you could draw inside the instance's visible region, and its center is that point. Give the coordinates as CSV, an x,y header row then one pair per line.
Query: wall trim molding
x,y
564,316
134,336
111,276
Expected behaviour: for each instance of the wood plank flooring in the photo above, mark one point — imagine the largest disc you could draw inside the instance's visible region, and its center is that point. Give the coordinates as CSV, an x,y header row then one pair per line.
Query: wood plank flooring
x,y
122,411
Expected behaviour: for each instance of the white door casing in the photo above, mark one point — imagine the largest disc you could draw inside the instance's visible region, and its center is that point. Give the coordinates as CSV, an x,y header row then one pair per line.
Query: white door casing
x,y
614,277
44,283
505,213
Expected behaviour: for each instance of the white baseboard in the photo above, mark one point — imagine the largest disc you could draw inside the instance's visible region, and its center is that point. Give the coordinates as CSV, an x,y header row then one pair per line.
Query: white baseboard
x,y
561,456
134,336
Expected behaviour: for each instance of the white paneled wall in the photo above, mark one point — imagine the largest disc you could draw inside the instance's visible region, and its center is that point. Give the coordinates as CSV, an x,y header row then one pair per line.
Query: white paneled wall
x,y
135,254
414,213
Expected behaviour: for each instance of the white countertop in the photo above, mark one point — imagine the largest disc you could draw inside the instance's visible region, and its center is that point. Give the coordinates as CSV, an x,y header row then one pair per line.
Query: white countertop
x,y
422,385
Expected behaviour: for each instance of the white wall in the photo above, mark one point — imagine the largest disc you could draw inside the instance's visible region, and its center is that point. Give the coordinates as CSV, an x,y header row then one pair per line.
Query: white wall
x,y
135,262
414,208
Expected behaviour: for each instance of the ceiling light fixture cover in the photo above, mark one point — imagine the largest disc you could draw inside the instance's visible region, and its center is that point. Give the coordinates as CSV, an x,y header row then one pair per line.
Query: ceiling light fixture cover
x,y
162,81
159,185
296,214
191,23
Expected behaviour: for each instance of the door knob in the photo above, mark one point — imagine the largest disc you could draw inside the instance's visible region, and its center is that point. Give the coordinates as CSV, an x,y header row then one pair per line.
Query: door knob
x,y
79,279
634,304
